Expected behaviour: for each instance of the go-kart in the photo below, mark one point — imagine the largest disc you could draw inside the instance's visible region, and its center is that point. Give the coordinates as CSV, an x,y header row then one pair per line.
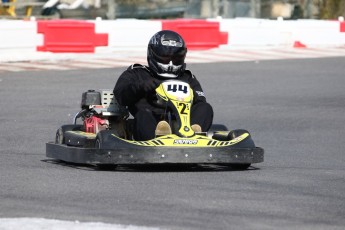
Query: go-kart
x,y
105,135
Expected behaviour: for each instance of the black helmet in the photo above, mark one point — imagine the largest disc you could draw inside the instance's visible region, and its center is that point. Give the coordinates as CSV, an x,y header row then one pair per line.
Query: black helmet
x,y
166,53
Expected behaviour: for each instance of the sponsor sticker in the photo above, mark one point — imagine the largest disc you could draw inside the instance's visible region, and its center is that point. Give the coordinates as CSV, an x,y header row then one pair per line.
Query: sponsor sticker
x,y
200,93
166,42
185,142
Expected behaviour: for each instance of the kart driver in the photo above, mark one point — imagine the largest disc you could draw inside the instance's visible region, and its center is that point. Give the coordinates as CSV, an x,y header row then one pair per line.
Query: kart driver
x,y
136,86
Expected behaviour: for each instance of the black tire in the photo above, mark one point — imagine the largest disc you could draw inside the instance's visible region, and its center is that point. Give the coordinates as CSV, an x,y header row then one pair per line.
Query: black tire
x,y
216,127
102,139
237,132
246,143
60,133
98,142
101,143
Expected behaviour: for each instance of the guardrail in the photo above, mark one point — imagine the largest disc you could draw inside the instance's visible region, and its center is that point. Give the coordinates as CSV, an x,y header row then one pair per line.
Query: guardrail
x,y
114,35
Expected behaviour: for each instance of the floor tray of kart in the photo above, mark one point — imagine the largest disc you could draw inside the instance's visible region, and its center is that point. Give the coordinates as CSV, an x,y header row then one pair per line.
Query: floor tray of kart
x,y
105,135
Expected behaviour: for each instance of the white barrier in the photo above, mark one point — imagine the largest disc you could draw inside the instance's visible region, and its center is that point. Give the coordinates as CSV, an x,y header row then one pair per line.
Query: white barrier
x,y
126,34
18,41
252,32
19,34
315,33
18,37
261,33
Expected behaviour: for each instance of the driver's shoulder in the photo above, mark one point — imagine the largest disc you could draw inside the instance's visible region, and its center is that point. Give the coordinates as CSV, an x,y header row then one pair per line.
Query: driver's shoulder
x,y
138,67
188,74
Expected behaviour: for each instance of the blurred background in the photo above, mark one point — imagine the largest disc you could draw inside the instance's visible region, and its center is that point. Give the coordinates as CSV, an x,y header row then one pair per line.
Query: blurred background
x,y
169,9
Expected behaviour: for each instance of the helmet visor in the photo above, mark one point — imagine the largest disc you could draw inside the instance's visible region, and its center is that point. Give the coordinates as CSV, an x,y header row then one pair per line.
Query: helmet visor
x,y
169,67
176,56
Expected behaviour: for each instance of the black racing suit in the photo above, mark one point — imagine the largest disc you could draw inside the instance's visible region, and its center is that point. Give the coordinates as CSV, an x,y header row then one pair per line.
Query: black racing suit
x,y
135,88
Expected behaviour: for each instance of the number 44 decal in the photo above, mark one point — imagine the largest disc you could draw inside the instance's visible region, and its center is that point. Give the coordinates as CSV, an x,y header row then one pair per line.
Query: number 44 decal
x,y
174,88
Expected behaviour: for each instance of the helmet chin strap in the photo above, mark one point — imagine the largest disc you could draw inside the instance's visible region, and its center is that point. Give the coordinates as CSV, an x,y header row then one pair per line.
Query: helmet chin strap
x,y
167,75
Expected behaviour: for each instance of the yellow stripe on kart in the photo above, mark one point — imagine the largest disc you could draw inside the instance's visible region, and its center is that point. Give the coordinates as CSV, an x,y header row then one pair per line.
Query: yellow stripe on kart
x,y
195,141
85,134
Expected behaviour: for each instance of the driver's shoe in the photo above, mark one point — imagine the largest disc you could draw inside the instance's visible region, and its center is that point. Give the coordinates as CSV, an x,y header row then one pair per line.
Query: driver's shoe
x,y
196,128
163,128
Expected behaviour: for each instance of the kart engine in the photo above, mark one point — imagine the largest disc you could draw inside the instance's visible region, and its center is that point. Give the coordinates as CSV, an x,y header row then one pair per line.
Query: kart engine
x,y
98,108
95,124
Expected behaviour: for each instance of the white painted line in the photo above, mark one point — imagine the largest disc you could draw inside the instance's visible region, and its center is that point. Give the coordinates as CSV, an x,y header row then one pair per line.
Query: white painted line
x,y
38,66
292,53
43,224
86,65
118,62
106,62
208,56
286,54
101,63
9,68
250,55
212,57
327,52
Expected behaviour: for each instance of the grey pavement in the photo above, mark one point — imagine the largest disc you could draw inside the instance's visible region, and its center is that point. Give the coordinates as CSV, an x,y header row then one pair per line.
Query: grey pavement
x,y
294,109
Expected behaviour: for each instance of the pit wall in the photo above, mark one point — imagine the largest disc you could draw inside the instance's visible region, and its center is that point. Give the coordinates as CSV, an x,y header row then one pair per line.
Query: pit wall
x,y
98,36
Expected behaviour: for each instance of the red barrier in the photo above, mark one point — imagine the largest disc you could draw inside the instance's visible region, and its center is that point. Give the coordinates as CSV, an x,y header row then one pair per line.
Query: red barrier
x,y
342,26
70,36
298,44
198,34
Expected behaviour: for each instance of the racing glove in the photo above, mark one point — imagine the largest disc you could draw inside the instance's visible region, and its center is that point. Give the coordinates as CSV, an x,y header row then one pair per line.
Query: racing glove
x,y
148,84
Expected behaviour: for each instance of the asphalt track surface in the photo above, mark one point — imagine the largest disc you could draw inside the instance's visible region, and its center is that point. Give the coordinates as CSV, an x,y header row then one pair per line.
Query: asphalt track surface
x,y
294,109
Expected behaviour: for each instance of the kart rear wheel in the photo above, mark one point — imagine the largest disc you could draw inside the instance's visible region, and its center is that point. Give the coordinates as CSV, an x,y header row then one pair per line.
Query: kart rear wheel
x,y
60,133
102,139
98,142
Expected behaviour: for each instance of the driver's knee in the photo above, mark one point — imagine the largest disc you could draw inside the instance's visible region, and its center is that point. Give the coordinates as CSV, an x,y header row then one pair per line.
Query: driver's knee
x,y
144,125
202,114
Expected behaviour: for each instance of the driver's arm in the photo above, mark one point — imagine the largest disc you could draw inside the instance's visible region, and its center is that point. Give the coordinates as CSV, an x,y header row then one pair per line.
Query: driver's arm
x,y
134,84
126,91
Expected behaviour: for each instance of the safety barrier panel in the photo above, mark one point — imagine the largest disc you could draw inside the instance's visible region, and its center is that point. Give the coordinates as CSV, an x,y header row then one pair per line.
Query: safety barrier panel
x,y
70,36
342,27
314,33
126,33
198,34
253,32
18,35
271,33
